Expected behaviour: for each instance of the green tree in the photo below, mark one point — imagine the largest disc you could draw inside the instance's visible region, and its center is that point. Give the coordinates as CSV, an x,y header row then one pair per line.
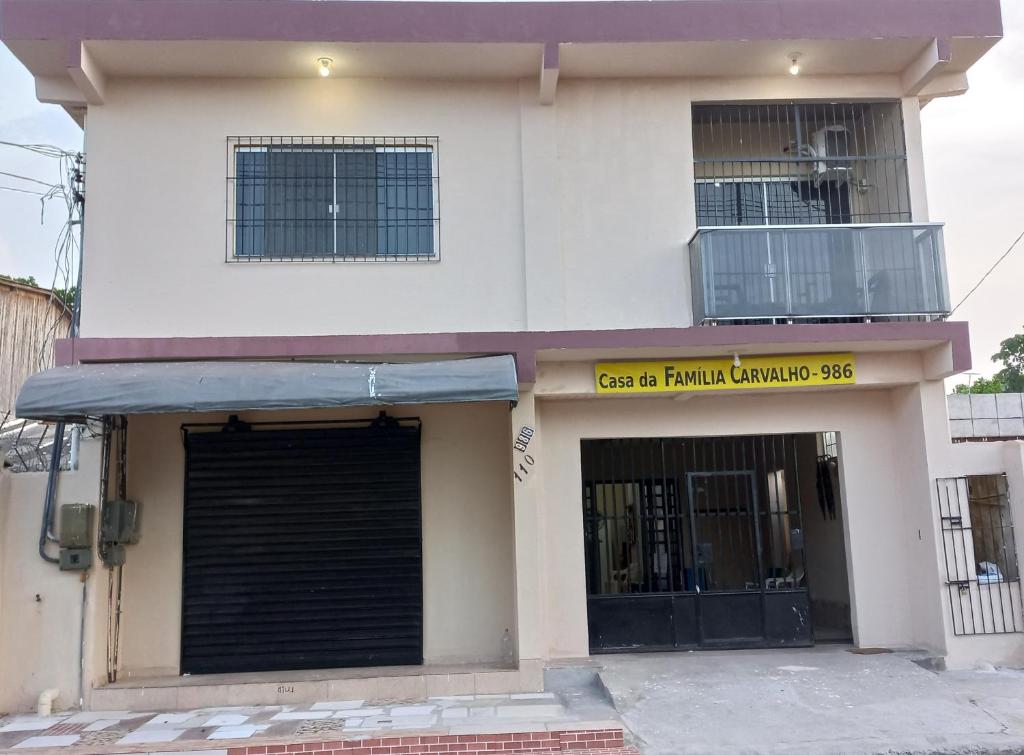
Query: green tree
x,y
1010,379
982,385
1011,354
29,281
67,295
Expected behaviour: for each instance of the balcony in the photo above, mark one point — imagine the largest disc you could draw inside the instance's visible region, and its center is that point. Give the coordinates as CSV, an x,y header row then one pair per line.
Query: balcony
x,y
818,272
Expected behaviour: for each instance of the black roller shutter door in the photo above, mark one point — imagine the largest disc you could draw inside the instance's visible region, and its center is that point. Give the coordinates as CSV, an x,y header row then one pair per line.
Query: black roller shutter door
x,y
302,549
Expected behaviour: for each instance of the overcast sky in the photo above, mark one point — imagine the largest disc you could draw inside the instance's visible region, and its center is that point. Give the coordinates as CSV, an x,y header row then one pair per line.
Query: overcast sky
x,y
974,158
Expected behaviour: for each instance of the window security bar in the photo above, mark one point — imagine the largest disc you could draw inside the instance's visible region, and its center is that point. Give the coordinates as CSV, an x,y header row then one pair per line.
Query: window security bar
x,y
340,198
980,555
800,163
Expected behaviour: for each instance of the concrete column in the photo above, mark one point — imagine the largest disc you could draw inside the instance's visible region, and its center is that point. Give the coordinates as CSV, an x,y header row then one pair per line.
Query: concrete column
x,y
544,273
915,159
923,439
528,535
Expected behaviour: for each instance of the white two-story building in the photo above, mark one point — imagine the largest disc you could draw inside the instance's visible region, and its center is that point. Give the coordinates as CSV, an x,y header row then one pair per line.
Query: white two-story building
x,y
451,340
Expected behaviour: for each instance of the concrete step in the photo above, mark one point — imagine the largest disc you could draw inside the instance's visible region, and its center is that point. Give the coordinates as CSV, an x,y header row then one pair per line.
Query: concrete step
x,y
300,687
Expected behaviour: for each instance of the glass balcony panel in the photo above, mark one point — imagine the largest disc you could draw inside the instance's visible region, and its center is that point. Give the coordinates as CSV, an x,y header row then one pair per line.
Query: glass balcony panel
x,y
742,272
822,272
837,271
904,270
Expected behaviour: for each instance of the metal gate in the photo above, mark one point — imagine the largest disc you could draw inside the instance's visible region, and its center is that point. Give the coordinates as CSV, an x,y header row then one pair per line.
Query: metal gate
x,y
302,547
980,554
695,543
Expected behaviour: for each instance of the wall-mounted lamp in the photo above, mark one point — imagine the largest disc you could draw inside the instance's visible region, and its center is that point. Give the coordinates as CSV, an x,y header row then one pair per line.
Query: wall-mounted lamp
x,y
735,360
325,66
794,64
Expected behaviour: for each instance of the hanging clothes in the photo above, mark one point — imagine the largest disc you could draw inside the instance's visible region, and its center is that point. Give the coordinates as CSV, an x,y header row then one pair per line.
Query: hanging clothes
x,y
826,472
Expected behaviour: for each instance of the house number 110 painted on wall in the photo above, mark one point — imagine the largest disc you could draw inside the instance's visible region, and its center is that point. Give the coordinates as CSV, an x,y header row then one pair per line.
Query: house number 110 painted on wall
x,y
521,443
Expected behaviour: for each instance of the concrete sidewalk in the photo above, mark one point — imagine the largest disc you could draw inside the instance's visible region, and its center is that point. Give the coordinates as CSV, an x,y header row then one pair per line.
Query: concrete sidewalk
x,y
820,700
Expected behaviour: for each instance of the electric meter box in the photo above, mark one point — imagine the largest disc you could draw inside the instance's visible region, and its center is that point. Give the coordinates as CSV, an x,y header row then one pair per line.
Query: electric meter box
x,y
75,559
120,522
75,525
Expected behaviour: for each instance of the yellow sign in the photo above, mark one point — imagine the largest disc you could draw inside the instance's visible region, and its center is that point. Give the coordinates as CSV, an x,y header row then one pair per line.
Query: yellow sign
x,y
723,374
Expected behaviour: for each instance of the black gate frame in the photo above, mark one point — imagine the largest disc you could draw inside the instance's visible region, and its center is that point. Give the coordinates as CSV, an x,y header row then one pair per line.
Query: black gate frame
x,y
695,618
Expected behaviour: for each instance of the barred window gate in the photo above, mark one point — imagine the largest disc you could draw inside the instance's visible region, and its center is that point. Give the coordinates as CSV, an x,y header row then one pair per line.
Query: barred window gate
x,y
332,198
980,554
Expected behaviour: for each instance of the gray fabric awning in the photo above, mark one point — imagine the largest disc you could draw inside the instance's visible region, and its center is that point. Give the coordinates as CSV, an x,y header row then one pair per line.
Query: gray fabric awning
x,y
91,390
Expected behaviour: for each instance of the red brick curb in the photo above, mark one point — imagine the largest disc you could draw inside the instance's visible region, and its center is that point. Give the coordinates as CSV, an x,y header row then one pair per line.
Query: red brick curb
x,y
587,742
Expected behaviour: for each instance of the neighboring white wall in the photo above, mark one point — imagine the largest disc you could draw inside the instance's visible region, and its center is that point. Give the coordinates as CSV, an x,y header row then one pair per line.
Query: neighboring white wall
x,y
986,415
40,606
468,584
575,215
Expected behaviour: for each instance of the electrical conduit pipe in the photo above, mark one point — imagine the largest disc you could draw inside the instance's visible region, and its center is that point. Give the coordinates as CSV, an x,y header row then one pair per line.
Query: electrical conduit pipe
x,y
44,705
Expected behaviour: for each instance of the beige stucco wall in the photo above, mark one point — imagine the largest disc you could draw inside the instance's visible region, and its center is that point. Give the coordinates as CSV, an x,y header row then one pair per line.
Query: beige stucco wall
x,y
986,458
894,444
480,577
468,582
886,500
157,183
574,215
40,606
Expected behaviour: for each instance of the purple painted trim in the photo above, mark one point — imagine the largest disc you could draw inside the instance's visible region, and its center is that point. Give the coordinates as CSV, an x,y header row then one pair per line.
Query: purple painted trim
x,y
550,55
944,48
523,344
511,22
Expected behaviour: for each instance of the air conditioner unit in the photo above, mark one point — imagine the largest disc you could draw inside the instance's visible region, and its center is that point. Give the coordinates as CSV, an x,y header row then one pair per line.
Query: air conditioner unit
x,y
827,144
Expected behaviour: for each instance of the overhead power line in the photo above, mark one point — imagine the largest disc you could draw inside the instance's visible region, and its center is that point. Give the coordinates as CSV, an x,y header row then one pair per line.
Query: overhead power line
x,y
26,178
989,271
47,150
24,191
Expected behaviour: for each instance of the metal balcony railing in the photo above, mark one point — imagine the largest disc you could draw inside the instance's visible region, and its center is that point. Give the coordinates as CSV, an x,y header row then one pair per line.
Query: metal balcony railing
x,y
821,272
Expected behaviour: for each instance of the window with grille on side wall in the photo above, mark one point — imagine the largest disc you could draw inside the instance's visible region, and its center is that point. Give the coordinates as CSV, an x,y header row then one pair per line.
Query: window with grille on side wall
x,y
333,199
980,554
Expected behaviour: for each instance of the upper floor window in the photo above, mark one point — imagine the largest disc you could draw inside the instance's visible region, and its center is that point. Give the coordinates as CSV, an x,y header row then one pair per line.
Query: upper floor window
x,y
332,198
800,164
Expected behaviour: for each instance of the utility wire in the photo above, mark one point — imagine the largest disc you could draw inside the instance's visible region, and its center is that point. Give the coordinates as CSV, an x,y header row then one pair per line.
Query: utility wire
x,y
47,150
24,191
26,178
989,271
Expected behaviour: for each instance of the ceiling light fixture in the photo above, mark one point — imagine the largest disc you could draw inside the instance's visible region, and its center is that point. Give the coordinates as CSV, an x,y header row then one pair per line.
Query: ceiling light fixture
x,y
794,68
325,66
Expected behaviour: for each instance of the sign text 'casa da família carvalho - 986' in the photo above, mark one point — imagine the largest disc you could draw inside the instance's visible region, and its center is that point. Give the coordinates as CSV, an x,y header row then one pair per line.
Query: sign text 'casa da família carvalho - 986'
x,y
726,373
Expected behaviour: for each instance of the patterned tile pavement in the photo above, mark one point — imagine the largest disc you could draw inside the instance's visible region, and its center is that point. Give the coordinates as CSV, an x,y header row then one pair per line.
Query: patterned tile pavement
x,y
348,722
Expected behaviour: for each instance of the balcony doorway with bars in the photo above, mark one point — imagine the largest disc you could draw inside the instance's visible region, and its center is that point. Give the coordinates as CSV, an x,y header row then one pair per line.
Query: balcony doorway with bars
x,y
803,213
800,163
700,542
